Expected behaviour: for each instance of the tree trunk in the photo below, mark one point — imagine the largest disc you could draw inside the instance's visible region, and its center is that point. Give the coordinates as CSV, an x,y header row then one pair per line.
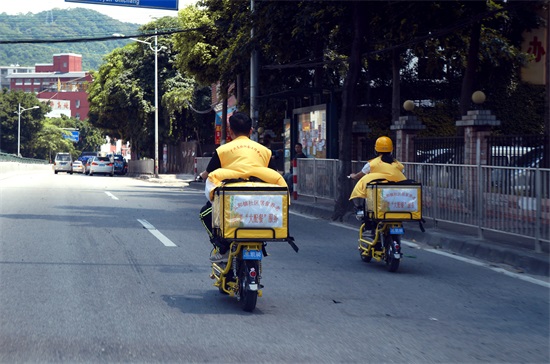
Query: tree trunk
x,y
349,101
470,72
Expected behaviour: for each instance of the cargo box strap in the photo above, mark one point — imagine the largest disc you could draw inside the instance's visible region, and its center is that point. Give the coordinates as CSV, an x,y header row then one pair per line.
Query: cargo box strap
x,y
422,226
290,240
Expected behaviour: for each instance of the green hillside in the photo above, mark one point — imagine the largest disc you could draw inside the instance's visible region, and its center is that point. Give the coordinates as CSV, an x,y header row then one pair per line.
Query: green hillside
x,y
59,24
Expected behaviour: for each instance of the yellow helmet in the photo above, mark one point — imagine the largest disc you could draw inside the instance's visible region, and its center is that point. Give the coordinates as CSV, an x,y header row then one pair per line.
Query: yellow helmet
x,y
383,145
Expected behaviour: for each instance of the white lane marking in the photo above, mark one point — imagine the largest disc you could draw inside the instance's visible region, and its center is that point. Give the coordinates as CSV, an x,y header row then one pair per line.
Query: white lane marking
x,y
462,259
301,215
339,224
523,277
111,195
163,239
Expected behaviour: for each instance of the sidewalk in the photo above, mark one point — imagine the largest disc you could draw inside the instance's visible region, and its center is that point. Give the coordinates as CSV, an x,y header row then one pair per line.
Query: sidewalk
x,y
461,240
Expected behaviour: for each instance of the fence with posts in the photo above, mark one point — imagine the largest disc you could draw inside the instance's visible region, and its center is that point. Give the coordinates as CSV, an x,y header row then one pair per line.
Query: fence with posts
x,y
510,200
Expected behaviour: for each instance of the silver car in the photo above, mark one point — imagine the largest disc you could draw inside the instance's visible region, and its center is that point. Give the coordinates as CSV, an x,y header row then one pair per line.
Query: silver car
x,y
78,167
101,165
63,163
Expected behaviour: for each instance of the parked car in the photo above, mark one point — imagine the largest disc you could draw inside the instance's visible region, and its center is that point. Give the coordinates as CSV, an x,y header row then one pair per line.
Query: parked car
x,y
84,156
78,167
121,165
445,176
87,165
63,162
520,177
101,165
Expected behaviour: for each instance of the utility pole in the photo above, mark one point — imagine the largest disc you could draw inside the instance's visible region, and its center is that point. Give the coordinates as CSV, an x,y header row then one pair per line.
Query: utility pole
x,y
253,82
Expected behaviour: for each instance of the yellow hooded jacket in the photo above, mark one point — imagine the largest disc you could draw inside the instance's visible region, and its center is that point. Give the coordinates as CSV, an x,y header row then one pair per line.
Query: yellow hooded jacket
x,y
378,170
243,158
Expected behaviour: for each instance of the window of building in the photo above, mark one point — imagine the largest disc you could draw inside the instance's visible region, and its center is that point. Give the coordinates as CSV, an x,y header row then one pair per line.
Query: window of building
x,y
64,64
28,81
18,81
77,116
77,104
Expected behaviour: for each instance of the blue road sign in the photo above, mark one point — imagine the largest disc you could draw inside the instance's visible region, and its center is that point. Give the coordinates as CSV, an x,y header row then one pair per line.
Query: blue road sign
x,y
74,137
151,4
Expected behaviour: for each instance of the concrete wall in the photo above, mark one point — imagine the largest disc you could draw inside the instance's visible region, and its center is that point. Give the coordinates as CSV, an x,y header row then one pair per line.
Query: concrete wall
x,y
12,167
143,166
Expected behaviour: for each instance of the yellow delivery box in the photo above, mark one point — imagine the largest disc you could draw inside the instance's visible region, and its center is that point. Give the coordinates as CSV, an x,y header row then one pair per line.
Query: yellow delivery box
x,y
394,201
250,210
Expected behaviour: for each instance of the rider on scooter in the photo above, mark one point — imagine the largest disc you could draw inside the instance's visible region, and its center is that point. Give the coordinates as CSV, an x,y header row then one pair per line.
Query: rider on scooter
x,y
384,166
242,158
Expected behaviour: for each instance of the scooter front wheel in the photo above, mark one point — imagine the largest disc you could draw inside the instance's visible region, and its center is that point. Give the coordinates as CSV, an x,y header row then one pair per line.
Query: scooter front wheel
x,y
248,273
365,258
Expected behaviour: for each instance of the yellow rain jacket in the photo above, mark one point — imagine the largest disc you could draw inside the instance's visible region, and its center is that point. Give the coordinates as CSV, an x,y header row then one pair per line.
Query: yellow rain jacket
x,y
378,170
242,158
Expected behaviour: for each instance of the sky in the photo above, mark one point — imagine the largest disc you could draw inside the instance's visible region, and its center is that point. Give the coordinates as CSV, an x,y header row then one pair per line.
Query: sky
x,y
122,13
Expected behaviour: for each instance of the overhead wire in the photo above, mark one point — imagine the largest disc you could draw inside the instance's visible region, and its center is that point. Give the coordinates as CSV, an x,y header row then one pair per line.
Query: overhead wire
x,y
97,38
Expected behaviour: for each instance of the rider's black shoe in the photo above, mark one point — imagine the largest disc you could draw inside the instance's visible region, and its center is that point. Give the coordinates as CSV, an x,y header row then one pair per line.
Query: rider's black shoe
x,y
220,243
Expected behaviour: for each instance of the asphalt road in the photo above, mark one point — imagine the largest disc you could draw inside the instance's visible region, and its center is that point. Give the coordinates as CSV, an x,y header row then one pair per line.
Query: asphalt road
x,y
82,281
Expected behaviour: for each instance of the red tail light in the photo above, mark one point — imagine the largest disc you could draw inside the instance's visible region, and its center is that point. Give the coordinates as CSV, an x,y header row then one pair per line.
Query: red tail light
x,y
252,273
94,164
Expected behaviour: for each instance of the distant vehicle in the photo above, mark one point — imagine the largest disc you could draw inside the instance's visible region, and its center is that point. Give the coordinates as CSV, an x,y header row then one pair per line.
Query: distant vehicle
x,y
78,167
84,156
121,165
87,165
63,163
507,155
101,165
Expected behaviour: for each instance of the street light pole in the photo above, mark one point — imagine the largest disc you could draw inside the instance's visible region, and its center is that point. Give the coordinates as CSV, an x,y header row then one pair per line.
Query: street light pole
x,y
19,112
155,48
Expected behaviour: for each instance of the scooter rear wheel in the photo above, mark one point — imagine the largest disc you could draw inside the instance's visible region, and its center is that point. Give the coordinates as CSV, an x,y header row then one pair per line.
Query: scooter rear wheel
x,y
391,261
247,297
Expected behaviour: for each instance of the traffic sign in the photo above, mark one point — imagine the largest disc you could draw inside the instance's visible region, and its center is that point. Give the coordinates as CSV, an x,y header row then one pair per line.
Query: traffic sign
x,y
151,4
74,136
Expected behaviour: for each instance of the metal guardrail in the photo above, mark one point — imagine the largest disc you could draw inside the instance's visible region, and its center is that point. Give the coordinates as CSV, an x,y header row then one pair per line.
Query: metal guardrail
x,y
507,200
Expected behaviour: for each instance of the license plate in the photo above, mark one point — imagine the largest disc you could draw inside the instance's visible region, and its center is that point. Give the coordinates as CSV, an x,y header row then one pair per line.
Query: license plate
x,y
252,255
102,165
397,231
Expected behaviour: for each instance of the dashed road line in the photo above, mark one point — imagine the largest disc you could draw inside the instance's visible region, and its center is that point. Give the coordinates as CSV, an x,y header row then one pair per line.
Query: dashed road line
x,y
111,195
157,234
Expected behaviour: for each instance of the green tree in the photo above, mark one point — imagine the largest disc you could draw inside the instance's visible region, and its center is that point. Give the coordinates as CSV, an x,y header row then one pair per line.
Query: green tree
x,y
9,120
122,96
51,139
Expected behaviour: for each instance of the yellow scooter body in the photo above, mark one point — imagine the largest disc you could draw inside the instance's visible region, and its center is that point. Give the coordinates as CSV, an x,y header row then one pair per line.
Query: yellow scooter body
x,y
367,244
225,278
